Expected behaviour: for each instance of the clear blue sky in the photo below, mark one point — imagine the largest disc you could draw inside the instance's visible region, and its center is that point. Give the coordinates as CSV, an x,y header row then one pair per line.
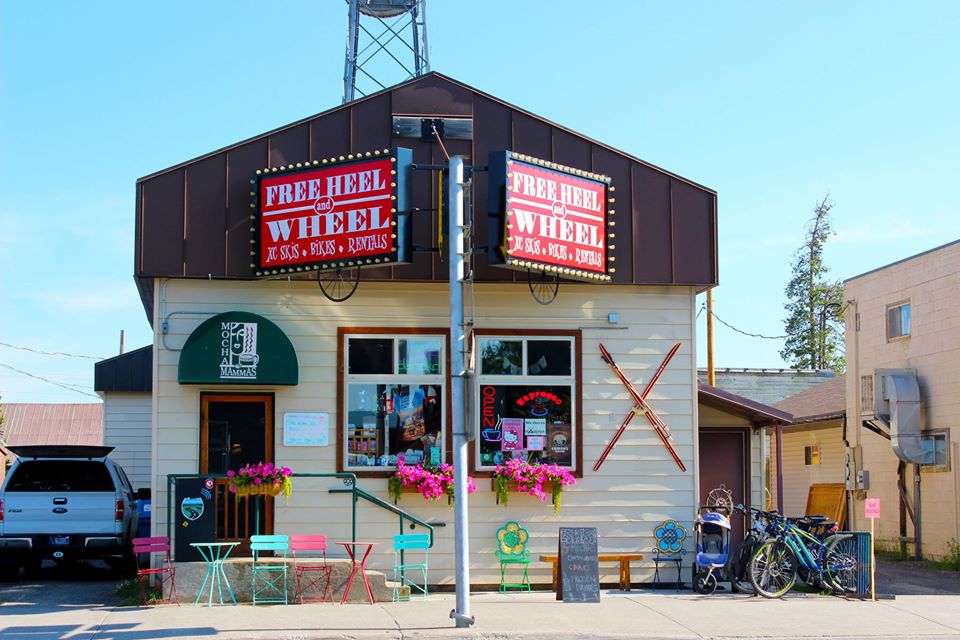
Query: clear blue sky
x,y
772,104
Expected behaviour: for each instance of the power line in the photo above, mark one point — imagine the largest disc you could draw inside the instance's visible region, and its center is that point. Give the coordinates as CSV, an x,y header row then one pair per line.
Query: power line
x,y
749,335
49,353
61,385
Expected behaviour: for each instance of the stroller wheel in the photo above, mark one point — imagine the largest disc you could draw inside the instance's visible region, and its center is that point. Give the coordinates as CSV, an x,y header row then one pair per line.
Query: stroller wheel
x,y
705,583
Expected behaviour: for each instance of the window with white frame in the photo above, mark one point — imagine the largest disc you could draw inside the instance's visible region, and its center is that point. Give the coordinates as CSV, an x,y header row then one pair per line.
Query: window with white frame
x,y
898,320
526,398
393,397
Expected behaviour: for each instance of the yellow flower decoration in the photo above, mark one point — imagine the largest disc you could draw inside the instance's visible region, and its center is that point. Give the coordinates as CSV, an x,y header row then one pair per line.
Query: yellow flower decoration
x,y
513,538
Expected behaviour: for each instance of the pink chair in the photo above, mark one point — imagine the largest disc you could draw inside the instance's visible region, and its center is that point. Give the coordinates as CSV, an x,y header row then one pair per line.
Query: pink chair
x,y
313,578
164,573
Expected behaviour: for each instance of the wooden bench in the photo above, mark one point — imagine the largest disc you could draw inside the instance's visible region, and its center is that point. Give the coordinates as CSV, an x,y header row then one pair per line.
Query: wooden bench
x,y
623,558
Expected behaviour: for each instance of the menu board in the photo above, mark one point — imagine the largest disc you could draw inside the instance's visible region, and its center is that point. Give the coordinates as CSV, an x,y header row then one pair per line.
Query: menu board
x,y
578,578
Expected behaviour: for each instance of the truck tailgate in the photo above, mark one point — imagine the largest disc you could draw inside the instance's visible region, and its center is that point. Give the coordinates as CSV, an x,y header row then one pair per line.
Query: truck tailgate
x,y
59,513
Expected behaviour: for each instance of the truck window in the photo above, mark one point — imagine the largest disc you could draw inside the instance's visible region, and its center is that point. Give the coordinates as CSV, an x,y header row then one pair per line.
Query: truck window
x,y
60,475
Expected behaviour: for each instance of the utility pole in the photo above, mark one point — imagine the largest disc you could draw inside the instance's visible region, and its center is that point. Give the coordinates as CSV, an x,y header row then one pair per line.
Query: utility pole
x,y
458,396
711,372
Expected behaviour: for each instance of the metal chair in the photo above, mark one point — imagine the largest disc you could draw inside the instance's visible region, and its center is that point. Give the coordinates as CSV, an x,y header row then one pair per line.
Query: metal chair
x,y
164,573
311,575
669,549
402,544
512,549
269,574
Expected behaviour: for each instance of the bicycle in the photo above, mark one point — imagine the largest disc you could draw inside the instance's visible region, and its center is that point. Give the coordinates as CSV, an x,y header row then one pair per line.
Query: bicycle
x,y
806,548
757,533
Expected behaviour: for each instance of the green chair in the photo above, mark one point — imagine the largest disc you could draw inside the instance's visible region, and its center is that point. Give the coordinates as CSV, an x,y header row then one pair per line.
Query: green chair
x,y
512,549
402,544
269,573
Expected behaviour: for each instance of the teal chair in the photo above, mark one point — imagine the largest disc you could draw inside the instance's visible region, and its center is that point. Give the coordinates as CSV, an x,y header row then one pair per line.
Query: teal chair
x,y
512,549
402,544
269,572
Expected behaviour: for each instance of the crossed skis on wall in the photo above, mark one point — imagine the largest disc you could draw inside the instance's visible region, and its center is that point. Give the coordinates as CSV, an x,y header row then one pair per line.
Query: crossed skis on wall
x,y
641,407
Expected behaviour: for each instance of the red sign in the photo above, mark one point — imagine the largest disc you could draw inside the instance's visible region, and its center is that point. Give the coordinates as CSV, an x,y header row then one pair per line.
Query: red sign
x,y
555,218
322,217
872,508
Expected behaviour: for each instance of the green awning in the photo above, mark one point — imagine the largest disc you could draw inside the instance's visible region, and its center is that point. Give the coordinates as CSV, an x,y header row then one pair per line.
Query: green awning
x,y
238,348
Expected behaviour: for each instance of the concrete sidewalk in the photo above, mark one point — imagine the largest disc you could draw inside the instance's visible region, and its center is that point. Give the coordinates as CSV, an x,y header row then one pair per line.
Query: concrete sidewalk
x,y
638,614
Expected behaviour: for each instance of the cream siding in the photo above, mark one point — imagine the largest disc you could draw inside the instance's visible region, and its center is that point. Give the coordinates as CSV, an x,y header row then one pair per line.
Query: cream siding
x,y
798,476
126,427
638,486
931,283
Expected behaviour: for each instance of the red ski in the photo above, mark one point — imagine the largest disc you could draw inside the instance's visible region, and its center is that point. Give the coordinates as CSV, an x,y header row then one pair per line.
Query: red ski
x,y
641,407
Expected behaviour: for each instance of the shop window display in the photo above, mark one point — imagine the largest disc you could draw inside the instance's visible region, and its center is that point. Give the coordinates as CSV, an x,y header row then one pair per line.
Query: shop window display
x,y
526,401
394,395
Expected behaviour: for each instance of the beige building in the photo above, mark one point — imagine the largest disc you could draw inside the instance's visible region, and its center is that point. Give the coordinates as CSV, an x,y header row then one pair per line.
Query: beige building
x,y
902,350
249,368
812,448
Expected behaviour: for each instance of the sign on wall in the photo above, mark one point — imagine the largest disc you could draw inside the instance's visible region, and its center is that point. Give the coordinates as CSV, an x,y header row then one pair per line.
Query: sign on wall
x,y
350,211
548,217
306,429
238,348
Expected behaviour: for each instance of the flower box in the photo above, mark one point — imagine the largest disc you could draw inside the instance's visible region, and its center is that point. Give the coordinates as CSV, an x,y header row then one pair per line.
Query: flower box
x,y
261,479
512,486
536,479
430,482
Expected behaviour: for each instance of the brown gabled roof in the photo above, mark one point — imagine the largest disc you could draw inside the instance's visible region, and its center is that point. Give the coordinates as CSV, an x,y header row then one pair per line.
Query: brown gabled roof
x,y
758,413
193,219
52,424
825,401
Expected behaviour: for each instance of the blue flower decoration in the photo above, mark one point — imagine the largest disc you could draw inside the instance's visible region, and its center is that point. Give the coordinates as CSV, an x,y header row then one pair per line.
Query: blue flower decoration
x,y
670,537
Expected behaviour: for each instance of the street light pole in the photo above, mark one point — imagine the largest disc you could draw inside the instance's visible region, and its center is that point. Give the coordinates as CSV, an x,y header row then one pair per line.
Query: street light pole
x,y
458,346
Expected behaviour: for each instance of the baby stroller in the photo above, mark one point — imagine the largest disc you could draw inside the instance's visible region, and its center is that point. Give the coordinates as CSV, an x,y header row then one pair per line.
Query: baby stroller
x,y
712,530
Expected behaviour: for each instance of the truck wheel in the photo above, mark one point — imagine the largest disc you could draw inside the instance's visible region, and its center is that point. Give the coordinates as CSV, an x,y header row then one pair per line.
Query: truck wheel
x,y
9,572
125,565
32,567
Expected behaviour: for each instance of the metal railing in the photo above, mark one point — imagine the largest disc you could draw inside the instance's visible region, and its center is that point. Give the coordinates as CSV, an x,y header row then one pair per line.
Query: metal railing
x,y
348,479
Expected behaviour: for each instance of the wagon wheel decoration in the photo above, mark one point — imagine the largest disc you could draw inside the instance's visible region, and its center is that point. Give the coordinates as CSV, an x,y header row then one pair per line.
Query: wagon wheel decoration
x,y
338,285
543,287
721,497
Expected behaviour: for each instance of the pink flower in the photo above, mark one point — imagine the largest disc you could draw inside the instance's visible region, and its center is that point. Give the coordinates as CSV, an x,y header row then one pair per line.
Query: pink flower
x,y
257,481
230,474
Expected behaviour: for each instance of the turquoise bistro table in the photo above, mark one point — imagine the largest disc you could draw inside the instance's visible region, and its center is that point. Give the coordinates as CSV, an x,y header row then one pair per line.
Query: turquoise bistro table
x,y
214,554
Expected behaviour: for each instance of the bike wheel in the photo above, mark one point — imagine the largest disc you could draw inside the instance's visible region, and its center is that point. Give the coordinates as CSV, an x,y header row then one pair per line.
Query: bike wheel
x,y
840,566
739,568
705,583
773,569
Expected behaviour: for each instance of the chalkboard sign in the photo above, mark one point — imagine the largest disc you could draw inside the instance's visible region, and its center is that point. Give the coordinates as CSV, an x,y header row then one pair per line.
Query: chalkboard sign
x,y
578,577
193,516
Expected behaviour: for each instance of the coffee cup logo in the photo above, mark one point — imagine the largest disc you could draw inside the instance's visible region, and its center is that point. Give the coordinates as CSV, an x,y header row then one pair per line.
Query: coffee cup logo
x,y
238,350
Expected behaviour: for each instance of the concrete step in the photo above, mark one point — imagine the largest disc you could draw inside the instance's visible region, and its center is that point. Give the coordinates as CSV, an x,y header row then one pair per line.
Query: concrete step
x,y
237,571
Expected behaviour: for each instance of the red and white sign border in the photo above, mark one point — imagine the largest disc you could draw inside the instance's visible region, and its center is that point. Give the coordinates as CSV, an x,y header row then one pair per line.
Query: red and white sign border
x,y
303,166
550,268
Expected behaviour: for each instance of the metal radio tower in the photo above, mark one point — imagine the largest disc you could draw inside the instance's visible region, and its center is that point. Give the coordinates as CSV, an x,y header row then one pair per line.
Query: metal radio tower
x,y
402,28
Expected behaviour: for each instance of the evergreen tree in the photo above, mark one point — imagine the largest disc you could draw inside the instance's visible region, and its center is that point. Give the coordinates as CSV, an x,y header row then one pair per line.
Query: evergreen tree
x,y
814,323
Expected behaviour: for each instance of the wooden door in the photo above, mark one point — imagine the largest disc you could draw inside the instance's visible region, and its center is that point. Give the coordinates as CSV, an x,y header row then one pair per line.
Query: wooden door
x,y
725,460
236,430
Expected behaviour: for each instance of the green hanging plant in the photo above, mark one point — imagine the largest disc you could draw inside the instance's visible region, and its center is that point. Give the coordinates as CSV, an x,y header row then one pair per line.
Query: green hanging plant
x,y
394,488
501,485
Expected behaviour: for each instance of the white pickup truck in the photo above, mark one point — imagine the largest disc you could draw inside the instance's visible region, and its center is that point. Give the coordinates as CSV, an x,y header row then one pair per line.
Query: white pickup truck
x,y
65,502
